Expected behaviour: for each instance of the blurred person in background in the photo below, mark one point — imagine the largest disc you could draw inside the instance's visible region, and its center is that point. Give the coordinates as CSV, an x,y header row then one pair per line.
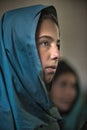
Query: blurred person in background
x,y
67,96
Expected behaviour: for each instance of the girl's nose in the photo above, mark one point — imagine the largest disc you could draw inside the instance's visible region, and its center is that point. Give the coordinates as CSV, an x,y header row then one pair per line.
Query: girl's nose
x,y
55,52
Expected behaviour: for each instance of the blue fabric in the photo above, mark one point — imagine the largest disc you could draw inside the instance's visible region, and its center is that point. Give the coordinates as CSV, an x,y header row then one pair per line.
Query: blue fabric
x,y
21,92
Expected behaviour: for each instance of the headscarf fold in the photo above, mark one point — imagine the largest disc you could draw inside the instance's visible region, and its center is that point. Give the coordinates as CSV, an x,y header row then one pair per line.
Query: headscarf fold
x,y
22,95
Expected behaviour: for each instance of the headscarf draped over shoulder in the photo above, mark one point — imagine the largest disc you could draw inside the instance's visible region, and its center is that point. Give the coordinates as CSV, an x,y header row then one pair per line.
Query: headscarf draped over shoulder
x,y
22,93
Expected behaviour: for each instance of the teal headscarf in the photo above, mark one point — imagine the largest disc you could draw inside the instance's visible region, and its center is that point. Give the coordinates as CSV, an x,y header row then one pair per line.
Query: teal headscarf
x,y
22,95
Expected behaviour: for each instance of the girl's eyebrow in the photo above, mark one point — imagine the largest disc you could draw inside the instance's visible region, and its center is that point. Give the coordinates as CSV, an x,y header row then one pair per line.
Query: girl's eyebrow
x,y
48,37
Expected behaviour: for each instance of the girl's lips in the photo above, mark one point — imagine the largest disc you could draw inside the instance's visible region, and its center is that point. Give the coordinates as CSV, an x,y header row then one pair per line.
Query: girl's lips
x,y
50,69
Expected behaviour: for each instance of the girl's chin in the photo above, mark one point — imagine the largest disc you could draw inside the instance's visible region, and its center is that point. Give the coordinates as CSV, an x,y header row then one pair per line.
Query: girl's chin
x,y
48,79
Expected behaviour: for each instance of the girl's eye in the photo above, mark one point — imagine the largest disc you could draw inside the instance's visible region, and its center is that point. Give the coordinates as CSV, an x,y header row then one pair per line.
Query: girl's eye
x,y
63,84
74,85
45,43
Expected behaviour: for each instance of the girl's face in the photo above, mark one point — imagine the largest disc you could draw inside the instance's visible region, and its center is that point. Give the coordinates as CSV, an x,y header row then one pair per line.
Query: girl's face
x,y
64,91
48,44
